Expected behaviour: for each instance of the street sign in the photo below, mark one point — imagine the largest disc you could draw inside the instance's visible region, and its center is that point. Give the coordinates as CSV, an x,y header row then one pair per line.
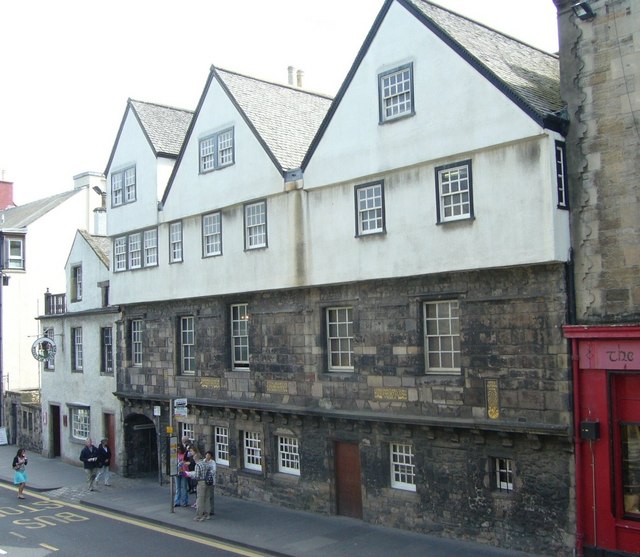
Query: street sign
x,y
180,402
180,407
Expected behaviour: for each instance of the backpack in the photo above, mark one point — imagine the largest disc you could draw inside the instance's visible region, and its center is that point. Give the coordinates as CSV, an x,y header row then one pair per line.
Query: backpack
x,y
208,477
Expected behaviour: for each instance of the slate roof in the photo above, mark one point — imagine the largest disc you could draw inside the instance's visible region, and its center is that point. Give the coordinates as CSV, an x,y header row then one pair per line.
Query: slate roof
x,y
285,118
530,73
23,215
101,245
165,126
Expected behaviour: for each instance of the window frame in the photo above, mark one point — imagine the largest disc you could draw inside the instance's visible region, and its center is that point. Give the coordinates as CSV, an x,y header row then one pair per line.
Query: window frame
x,y
215,153
136,331
123,186
252,450
187,343
441,196
239,326
288,455
360,212
77,350
80,422
150,247
76,283
384,116
49,365
9,261
562,183
131,253
402,466
503,467
106,350
337,325
253,231
442,370
221,444
176,248
215,235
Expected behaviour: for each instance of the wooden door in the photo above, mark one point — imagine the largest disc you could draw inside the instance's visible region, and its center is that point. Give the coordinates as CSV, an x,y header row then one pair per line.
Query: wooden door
x,y
348,482
55,430
110,432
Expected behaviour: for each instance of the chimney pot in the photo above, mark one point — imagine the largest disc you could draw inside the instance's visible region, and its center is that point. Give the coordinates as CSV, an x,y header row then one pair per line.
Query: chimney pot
x,y
300,75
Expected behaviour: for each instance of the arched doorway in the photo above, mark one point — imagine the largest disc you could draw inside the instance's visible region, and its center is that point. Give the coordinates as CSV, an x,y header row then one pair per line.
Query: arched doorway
x,y
141,446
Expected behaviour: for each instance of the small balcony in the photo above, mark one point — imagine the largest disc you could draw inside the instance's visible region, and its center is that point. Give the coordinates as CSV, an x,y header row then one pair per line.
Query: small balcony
x,y
55,304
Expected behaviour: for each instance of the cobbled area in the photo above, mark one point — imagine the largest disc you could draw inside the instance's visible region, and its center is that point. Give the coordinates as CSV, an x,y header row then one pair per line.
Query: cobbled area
x,y
74,493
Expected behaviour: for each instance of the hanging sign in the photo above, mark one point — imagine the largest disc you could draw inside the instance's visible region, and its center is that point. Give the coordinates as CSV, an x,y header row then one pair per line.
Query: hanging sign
x,y
44,349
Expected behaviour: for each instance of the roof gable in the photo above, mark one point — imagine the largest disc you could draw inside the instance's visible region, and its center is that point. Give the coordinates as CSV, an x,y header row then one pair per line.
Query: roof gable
x,y
23,215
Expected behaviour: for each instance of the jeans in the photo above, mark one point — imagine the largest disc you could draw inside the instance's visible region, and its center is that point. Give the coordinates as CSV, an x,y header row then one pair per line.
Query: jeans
x,y
104,473
182,491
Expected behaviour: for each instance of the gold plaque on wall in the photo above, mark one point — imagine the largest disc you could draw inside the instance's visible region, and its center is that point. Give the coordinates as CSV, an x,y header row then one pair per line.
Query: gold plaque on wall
x,y
492,398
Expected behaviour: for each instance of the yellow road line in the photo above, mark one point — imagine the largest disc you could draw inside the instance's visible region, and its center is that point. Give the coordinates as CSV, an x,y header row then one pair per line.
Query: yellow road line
x,y
149,526
49,547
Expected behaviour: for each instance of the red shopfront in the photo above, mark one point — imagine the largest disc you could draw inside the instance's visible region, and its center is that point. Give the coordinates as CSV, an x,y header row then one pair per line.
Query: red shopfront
x,y
606,374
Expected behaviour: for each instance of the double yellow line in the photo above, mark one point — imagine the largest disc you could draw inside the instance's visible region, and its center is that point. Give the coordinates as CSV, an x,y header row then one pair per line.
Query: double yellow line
x,y
202,540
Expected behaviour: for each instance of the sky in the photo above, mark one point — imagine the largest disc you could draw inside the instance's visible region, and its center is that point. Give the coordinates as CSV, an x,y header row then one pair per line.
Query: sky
x,y
67,67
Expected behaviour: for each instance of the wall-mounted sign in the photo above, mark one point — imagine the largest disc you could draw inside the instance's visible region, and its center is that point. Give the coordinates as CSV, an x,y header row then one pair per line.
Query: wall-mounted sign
x,y
44,349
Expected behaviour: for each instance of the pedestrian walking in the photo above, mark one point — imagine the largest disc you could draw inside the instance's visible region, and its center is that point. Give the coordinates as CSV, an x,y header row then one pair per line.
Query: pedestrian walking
x,y
20,478
89,456
104,461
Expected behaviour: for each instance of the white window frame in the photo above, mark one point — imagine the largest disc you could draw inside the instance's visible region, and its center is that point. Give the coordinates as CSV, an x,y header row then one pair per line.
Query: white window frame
x,y
150,247
212,234
123,186
49,365
77,349
134,249
186,430
136,342
175,242
454,191
504,473
76,283
252,450
221,444
80,422
216,150
288,455
561,174
369,209
120,254
240,336
395,91
255,225
403,468
442,336
13,253
187,345
106,350
340,338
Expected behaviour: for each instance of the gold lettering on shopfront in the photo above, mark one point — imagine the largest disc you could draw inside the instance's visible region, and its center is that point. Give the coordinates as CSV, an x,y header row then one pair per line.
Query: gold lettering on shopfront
x,y
211,383
388,393
278,387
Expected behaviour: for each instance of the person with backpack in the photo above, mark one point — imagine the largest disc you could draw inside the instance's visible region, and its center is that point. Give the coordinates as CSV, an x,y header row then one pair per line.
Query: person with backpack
x,y
204,474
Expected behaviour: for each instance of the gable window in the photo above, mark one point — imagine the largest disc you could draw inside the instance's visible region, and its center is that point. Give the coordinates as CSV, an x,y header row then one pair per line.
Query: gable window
x,y
13,253
120,253
217,151
150,247
370,209
252,453
403,475
255,225
76,283
80,422
442,336
561,175
49,363
503,470
288,455
453,191
396,93
175,242
76,349
136,342
106,350
339,338
211,234
221,444
187,345
123,186
239,336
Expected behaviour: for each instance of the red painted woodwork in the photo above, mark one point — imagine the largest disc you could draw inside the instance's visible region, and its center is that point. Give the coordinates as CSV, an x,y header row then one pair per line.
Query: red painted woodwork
x,y
348,482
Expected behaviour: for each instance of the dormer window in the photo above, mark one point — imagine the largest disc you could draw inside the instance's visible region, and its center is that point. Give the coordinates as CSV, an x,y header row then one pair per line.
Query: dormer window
x,y
76,283
13,253
123,186
217,151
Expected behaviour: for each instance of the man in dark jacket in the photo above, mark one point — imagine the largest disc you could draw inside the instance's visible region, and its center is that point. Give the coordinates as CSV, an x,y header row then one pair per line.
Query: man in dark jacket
x,y
104,460
89,456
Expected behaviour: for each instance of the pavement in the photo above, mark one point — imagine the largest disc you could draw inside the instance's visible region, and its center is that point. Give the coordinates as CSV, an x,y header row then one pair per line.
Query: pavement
x,y
268,528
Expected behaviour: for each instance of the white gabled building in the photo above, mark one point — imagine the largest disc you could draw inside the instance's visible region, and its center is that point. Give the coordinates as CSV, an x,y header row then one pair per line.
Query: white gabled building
x,y
78,384
362,299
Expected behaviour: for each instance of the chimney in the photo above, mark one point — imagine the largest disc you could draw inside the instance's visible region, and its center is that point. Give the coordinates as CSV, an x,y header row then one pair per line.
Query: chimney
x,y
291,70
6,195
299,75
100,221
